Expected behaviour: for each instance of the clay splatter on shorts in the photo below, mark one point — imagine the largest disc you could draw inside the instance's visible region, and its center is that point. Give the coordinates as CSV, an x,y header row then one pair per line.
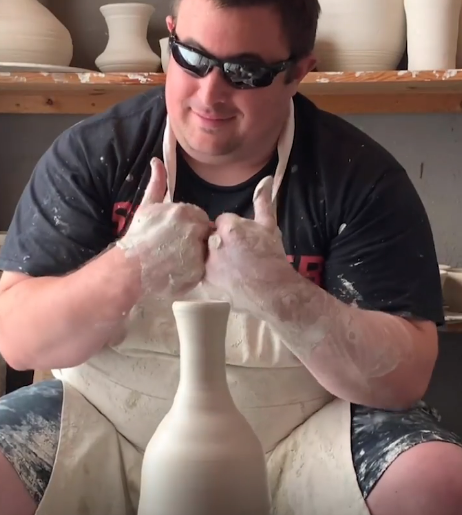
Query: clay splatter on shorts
x,y
379,437
30,421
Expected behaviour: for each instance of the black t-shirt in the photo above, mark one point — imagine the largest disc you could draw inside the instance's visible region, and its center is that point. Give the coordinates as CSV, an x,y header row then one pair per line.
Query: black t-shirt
x,y
350,217
215,200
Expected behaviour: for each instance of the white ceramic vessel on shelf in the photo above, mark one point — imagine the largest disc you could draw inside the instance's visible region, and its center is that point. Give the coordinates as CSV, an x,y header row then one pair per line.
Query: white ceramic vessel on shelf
x,y
164,53
432,33
443,276
127,49
360,35
459,44
30,33
204,458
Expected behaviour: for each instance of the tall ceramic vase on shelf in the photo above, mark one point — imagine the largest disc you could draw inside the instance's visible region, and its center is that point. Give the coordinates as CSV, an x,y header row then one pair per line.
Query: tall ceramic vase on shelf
x,y
127,49
164,53
30,33
432,33
360,35
459,44
204,458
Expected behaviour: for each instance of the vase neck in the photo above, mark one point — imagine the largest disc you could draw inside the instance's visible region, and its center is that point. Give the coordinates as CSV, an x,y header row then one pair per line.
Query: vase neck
x,y
202,333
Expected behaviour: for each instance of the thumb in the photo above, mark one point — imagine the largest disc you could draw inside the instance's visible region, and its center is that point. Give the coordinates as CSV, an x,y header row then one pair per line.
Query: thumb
x,y
263,203
157,185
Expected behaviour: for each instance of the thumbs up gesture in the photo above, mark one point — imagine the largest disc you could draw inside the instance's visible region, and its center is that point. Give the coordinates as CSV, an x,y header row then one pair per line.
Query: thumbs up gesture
x,y
168,241
246,259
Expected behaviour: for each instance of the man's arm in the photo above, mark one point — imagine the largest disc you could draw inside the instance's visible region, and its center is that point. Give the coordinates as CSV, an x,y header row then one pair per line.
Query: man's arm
x,y
64,295
368,357
60,322
369,337
55,259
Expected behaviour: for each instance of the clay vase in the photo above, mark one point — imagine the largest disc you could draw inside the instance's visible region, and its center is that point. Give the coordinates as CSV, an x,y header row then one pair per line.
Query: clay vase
x,y
453,290
360,35
30,33
127,49
432,33
204,458
459,44
164,53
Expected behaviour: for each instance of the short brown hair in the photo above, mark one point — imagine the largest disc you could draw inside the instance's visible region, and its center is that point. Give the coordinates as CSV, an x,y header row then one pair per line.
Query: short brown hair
x,y
299,19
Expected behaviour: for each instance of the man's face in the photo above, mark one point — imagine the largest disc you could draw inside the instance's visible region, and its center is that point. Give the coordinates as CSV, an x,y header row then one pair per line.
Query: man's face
x,y
212,121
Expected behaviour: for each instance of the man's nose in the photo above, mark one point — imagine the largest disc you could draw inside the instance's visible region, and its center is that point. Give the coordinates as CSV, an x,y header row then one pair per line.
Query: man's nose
x,y
213,89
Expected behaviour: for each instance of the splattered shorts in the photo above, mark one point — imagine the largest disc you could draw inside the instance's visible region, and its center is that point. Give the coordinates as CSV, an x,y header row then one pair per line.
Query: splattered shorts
x,y
30,424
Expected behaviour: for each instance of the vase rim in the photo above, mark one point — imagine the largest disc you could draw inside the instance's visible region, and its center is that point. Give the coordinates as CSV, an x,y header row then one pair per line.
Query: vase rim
x,y
124,5
199,303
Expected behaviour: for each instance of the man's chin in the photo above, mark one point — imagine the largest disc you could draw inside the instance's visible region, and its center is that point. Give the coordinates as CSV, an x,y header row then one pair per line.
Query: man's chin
x,y
211,147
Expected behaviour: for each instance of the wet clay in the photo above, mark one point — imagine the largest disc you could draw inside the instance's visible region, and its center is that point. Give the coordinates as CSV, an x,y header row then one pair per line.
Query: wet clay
x,y
247,266
168,239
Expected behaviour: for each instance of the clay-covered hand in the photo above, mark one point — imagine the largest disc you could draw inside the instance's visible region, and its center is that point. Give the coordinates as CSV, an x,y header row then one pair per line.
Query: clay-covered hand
x,y
168,240
246,260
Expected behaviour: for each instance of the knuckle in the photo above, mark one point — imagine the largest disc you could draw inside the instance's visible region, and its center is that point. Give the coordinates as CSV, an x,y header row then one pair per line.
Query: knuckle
x,y
226,223
190,212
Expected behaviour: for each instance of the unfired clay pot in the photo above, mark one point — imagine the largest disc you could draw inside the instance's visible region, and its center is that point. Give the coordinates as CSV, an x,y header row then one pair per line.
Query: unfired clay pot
x,y
432,33
360,35
459,44
164,53
30,33
127,48
453,289
204,458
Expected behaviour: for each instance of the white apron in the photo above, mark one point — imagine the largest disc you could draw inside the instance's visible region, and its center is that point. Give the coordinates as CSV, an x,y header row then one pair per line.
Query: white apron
x,y
114,402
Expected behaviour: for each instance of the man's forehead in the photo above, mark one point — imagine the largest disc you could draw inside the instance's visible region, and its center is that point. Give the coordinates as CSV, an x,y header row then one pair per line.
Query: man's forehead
x,y
250,32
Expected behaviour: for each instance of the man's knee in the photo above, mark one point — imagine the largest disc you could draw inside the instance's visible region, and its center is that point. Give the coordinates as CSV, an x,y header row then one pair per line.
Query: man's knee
x,y
425,480
14,496
30,421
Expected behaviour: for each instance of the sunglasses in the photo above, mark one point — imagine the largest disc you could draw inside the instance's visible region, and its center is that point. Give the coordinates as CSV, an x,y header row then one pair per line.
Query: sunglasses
x,y
240,74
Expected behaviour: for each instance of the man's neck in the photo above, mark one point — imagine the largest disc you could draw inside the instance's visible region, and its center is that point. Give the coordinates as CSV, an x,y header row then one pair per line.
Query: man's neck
x,y
228,173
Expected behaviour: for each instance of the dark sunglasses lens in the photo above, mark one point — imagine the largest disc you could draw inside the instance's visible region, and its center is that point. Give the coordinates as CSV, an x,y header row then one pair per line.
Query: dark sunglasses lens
x,y
240,76
247,76
191,60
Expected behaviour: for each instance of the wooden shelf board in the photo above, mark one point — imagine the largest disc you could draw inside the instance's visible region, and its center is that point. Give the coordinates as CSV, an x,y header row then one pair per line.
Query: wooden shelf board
x,y
454,327
338,92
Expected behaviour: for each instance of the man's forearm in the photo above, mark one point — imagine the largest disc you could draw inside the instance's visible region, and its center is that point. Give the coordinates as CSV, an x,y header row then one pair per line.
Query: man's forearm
x,y
365,357
59,322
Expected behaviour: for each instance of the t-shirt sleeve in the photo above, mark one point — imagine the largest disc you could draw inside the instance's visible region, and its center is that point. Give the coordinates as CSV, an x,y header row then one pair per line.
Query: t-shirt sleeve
x,y
383,255
63,218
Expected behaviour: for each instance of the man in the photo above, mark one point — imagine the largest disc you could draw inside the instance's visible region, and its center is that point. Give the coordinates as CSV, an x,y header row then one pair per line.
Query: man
x,y
319,241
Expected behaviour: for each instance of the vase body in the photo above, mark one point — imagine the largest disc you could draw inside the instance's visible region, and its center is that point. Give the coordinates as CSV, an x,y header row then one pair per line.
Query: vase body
x,y
432,33
127,49
30,33
204,458
459,43
360,35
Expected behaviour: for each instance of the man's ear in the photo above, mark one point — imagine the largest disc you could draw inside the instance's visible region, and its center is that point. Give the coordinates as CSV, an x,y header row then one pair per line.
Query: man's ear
x,y
303,67
170,23
298,72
